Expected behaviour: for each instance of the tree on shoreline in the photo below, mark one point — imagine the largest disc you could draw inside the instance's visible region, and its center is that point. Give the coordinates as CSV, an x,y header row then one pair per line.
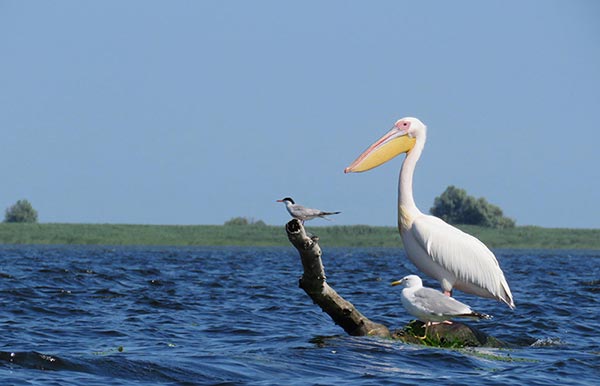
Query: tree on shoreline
x,y
241,221
21,211
455,206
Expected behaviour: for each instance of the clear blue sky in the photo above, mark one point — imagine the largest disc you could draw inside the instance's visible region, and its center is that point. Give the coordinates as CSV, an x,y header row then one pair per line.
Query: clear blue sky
x,y
194,112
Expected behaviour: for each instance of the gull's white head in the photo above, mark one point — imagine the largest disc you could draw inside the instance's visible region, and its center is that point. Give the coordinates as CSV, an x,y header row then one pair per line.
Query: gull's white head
x,y
400,139
409,281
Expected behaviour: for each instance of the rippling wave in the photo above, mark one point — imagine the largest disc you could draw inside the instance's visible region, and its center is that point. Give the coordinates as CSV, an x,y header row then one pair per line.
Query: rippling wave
x,y
196,316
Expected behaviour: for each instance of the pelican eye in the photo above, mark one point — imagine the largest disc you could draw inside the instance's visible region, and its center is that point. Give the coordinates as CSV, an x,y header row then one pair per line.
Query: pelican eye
x,y
404,125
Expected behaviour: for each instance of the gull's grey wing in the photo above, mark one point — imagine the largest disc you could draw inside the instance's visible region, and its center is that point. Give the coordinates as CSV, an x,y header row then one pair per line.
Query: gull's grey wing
x,y
437,303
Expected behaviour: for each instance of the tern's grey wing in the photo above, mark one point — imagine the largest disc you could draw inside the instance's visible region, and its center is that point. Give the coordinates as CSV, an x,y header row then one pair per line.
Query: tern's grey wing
x,y
311,212
304,212
437,303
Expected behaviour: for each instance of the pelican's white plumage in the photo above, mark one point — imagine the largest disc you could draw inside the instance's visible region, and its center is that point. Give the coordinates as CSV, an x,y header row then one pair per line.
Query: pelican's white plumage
x,y
453,257
457,259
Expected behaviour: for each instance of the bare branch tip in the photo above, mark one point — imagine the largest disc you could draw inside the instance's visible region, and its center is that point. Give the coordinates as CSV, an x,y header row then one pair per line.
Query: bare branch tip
x,y
294,226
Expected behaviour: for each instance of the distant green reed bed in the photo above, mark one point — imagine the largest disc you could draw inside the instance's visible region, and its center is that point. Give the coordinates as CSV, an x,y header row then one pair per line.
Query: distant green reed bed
x,y
257,235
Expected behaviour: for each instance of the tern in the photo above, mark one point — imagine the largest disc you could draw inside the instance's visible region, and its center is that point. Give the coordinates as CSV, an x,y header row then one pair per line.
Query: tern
x,y
443,252
303,213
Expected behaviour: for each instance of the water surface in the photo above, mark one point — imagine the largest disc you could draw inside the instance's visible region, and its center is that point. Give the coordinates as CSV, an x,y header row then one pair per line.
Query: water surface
x,y
235,316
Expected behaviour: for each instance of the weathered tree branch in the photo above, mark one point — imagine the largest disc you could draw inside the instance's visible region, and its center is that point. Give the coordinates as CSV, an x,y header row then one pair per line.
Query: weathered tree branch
x,y
344,314
313,282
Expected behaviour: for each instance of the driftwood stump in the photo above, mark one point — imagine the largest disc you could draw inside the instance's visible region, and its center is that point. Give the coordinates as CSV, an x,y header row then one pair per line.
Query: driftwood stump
x,y
313,283
344,314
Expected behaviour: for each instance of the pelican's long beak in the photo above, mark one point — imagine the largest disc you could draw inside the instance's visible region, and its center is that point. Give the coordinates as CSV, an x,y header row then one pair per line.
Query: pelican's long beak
x,y
397,282
394,142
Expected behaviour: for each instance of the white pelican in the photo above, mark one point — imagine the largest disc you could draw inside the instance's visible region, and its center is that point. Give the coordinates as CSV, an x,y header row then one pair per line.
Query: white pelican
x,y
303,213
451,256
429,305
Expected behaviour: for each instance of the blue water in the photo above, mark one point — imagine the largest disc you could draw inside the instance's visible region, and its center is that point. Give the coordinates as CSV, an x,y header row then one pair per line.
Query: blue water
x,y
235,316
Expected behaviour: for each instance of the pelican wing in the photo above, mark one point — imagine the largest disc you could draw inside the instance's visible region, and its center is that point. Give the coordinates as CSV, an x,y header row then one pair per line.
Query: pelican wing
x,y
463,255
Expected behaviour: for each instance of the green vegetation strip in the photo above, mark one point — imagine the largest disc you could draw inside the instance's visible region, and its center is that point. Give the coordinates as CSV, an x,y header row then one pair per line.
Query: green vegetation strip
x,y
265,235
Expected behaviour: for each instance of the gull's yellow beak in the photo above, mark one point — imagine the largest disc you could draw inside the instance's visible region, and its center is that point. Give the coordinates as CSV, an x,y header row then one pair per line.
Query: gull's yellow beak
x,y
393,143
397,282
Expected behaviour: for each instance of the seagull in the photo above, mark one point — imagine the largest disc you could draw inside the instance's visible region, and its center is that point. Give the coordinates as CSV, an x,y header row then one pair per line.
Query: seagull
x,y
454,258
302,213
430,305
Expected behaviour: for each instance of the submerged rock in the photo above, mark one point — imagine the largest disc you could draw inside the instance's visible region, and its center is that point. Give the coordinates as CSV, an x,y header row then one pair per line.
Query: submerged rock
x,y
453,335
